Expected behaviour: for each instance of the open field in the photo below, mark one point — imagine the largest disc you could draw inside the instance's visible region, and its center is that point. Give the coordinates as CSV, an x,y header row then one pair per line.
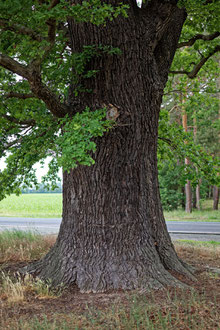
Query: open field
x,y
32,205
32,305
50,206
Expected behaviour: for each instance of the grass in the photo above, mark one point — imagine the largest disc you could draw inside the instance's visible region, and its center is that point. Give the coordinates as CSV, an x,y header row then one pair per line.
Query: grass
x,y
206,214
198,243
138,314
30,304
15,289
50,206
17,245
32,205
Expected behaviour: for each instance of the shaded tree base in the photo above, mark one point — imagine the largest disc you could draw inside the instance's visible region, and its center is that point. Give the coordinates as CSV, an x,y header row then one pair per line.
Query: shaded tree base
x,y
100,273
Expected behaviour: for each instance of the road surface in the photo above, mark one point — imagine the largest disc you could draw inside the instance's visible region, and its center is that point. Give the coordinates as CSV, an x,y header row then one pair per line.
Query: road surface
x,y
41,225
204,231
199,231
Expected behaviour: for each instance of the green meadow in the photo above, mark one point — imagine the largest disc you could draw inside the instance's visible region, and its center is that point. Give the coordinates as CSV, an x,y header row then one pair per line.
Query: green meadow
x,y
32,205
205,214
50,206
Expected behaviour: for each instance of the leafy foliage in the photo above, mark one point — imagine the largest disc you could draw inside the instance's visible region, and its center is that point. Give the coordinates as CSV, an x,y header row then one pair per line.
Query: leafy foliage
x,y
198,99
170,187
180,145
35,46
70,141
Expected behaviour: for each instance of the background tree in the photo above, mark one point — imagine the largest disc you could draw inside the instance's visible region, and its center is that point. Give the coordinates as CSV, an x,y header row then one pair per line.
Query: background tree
x,y
81,63
201,107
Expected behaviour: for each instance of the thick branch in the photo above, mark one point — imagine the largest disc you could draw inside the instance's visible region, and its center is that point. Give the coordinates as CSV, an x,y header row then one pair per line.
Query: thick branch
x,y
20,29
42,92
198,66
19,95
14,66
204,37
54,3
166,46
192,74
51,35
162,24
29,122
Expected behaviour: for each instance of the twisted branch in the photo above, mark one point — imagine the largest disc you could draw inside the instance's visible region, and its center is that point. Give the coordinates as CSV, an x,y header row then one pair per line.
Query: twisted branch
x,y
204,37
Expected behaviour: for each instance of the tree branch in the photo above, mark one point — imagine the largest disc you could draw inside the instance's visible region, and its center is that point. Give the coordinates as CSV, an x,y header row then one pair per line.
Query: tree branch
x,y
198,66
204,37
54,3
29,122
192,74
180,72
14,66
162,26
41,91
5,24
51,35
166,47
168,141
19,95
11,144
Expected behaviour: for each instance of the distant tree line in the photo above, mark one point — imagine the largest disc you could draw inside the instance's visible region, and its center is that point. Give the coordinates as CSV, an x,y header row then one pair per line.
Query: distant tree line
x,y
41,189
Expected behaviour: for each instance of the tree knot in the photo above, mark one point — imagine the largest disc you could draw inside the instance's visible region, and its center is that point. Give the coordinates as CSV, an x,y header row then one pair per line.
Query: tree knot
x,y
112,112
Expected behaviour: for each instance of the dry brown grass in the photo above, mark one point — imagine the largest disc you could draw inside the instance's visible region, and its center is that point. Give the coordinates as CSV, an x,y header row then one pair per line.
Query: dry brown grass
x,y
18,246
203,252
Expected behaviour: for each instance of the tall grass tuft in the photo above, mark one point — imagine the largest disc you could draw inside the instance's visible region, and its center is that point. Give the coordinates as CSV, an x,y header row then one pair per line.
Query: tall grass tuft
x,y
13,289
17,245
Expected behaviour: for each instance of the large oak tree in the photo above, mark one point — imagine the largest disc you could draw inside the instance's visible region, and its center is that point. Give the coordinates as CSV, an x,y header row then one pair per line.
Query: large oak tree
x,y
74,59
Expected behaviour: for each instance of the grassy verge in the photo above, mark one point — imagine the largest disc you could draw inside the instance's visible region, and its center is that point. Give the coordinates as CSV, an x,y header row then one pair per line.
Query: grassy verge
x,y
30,304
201,244
206,214
32,205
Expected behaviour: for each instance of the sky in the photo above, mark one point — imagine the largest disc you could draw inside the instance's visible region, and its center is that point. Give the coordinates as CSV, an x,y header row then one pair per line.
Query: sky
x,y
40,171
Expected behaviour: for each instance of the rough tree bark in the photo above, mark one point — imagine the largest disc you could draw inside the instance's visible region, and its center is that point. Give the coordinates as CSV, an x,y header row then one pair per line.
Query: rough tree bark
x,y
215,197
113,234
188,189
197,195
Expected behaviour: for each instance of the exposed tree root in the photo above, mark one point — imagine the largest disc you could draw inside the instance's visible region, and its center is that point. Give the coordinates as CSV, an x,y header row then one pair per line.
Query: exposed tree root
x,y
102,273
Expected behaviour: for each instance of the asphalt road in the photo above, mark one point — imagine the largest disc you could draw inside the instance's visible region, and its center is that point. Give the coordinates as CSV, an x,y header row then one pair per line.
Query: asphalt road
x,y
204,231
41,225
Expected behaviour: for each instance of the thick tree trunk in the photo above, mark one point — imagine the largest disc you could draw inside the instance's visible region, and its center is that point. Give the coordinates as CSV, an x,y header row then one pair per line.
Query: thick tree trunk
x,y
113,234
188,193
215,197
188,190
198,206
197,199
210,193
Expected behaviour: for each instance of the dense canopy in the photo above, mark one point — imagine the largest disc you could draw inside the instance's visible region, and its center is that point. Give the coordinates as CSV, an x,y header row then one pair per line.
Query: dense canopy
x,y
37,67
